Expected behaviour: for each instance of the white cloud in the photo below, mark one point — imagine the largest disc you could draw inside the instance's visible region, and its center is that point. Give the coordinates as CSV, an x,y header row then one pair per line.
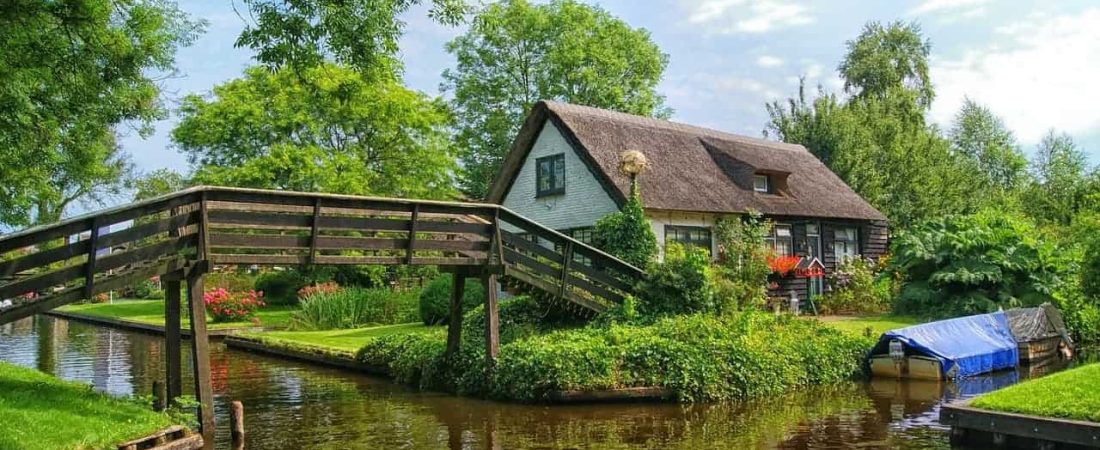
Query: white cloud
x,y
746,16
965,8
768,61
1038,73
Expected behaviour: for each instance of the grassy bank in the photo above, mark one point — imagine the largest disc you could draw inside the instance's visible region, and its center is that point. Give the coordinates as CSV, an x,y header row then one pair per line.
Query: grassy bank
x,y
339,341
152,312
1073,394
878,324
38,411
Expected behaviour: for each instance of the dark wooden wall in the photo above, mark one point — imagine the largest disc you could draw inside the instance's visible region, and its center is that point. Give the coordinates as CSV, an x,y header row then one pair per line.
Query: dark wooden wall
x,y
873,243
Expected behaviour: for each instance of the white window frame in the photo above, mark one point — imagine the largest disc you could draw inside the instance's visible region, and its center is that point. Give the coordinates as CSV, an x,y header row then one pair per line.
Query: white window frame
x,y
756,178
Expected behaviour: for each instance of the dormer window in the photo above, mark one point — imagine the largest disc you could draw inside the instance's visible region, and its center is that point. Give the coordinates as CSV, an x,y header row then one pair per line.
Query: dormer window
x,y
761,183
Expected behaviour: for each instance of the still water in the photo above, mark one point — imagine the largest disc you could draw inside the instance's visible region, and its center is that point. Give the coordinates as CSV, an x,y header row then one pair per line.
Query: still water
x,y
290,405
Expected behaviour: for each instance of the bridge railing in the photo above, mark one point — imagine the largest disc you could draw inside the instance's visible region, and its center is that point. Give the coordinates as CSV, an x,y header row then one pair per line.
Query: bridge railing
x,y
46,267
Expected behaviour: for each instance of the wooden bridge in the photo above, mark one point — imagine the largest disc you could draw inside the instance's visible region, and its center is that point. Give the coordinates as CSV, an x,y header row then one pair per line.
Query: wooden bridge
x,y
180,236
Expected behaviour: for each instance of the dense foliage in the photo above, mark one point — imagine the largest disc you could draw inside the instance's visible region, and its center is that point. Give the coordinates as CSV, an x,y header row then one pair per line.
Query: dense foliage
x,y
516,53
328,308
972,264
323,129
698,357
857,286
741,274
435,299
627,235
281,287
71,74
680,284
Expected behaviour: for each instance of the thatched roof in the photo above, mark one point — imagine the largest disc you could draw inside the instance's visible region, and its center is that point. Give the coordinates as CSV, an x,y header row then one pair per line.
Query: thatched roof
x,y
690,168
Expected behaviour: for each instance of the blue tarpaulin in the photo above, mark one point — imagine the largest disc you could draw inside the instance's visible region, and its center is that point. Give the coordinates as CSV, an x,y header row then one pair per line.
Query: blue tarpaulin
x,y
964,346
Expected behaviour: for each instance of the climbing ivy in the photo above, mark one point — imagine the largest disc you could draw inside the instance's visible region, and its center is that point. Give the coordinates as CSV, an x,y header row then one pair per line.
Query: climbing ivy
x,y
627,235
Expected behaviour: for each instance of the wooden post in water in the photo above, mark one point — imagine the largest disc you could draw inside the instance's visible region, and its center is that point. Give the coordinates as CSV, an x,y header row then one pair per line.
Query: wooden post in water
x,y
492,318
454,322
173,374
236,424
200,356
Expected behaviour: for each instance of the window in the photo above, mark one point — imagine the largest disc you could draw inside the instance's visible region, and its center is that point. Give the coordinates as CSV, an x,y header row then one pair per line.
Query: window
x,y
761,183
845,243
581,234
697,236
780,240
550,175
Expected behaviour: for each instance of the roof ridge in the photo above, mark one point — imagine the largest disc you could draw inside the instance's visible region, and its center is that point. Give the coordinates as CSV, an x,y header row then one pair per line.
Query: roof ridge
x,y
664,124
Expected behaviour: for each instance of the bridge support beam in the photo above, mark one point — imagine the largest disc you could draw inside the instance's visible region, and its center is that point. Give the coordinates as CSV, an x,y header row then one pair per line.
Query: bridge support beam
x,y
172,358
200,355
454,322
492,318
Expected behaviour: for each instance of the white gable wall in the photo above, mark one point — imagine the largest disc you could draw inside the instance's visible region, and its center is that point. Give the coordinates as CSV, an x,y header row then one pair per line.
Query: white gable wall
x,y
584,201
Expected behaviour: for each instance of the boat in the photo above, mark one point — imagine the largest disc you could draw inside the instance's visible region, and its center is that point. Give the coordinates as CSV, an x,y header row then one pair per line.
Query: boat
x,y
1040,334
946,349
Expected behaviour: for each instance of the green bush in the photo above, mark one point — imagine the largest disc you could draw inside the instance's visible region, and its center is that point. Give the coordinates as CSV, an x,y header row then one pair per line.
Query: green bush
x,y
231,281
680,284
973,264
741,274
435,299
626,234
857,287
281,288
147,289
699,357
354,307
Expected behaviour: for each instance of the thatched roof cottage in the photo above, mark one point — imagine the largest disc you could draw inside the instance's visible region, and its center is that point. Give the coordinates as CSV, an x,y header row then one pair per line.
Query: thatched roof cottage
x,y
563,172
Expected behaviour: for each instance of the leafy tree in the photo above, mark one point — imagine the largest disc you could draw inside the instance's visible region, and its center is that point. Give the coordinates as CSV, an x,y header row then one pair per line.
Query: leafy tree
x,y
626,234
982,137
1062,185
325,128
888,62
361,34
71,73
973,264
516,53
156,183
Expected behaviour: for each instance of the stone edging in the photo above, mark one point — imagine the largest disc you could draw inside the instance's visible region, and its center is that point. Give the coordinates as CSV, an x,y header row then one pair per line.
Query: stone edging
x,y
140,326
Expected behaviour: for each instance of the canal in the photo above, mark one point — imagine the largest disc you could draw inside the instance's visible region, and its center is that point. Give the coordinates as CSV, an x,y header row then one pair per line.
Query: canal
x,y
291,405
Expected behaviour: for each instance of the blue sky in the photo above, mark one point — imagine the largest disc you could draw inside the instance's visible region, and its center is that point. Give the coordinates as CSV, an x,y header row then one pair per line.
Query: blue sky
x,y
1033,63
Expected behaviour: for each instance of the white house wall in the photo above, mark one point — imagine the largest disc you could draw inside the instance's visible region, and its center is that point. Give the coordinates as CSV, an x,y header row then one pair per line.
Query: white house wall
x,y
584,201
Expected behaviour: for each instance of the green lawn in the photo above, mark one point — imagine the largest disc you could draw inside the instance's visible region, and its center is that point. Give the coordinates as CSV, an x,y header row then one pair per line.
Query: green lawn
x,y
1073,394
38,411
152,312
878,324
347,341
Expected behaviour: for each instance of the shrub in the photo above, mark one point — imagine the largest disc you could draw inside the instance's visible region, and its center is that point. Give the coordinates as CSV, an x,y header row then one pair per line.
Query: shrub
x,y
224,306
856,286
281,288
972,264
1090,271
335,308
626,234
741,274
232,281
680,284
148,289
435,299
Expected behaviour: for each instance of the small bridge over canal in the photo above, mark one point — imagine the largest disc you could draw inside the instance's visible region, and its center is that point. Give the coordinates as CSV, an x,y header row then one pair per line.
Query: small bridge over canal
x,y
180,236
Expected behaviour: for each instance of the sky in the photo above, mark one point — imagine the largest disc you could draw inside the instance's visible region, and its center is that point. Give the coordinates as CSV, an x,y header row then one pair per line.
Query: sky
x,y
1035,64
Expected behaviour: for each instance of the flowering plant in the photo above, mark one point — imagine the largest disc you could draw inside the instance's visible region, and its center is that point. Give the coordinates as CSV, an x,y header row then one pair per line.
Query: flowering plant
x,y
323,288
783,265
225,306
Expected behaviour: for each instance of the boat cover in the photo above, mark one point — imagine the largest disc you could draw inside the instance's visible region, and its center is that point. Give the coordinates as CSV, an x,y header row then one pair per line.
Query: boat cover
x,y
1042,322
964,346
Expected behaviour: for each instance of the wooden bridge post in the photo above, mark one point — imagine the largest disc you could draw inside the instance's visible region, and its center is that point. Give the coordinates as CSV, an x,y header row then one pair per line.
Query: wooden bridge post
x,y
492,318
200,356
172,358
454,323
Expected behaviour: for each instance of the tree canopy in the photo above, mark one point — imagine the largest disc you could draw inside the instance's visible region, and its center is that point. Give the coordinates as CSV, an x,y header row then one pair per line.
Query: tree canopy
x,y
983,138
71,74
323,129
516,53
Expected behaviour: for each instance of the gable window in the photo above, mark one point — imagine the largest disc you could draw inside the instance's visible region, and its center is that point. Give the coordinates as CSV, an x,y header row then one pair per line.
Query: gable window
x,y
697,236
781,240
761,183
845,243
550,175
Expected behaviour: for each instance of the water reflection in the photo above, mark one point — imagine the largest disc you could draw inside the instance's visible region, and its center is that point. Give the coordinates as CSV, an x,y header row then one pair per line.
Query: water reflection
x,y
290,405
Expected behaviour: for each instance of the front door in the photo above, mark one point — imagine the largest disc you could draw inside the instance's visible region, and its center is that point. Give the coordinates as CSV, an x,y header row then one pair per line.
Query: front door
x,y
815,285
